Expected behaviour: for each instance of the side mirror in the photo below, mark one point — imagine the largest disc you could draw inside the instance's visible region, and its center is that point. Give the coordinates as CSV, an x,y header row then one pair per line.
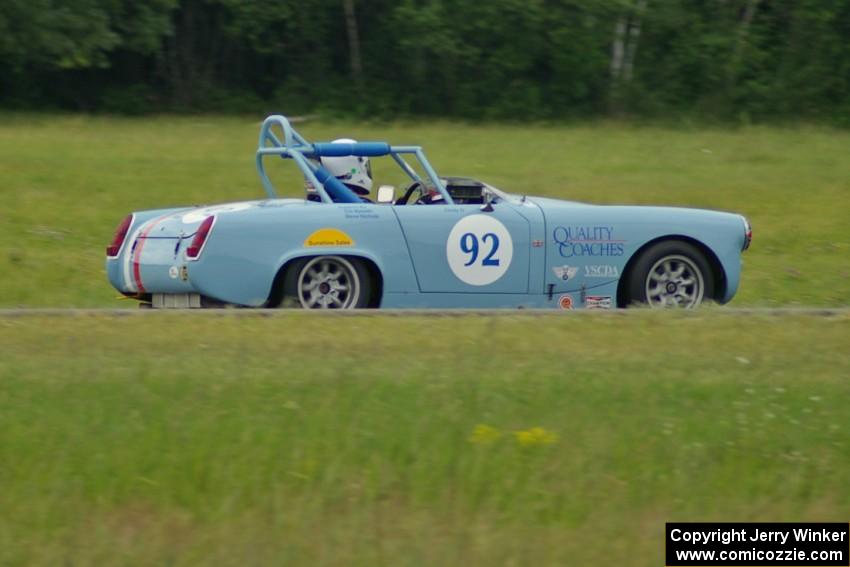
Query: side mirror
x,y
487,207
386,194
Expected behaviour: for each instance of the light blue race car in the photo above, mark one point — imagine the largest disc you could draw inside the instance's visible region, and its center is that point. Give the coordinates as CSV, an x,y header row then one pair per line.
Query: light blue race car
x,y
444,242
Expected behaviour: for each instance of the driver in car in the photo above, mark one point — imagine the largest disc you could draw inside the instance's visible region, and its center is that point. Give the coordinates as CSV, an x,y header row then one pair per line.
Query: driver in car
x,y
355,172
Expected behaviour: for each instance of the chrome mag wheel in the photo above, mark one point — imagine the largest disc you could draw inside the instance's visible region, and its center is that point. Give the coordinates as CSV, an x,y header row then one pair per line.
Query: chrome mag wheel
x,y
328,282
674,281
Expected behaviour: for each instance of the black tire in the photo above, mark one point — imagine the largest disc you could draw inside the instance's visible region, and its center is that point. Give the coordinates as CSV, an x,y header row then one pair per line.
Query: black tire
x,y
327,282
670,274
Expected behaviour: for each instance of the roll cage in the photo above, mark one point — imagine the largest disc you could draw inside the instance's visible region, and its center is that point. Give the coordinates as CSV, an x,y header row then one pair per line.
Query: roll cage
x,y
330,189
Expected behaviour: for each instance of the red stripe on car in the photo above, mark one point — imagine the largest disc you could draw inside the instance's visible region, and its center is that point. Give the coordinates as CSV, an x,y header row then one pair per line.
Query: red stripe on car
x,y
137,253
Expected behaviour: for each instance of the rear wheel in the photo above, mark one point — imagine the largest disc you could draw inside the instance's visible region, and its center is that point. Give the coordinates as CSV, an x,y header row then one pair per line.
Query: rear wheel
x,y
327,282
671,274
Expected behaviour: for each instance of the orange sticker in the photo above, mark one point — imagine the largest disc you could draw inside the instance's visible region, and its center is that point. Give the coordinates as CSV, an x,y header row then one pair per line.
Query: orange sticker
x,y
566,302
328,237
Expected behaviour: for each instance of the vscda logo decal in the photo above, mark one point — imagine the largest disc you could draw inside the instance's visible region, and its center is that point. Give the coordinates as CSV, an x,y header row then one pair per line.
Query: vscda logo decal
x,y
479,249
567,273
601,271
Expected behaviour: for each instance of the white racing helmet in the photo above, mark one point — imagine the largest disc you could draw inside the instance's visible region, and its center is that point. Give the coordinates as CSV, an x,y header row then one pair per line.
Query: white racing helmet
x,y
354,171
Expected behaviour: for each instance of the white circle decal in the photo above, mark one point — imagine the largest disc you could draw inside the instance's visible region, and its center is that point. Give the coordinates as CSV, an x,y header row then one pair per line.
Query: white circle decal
x,y
200,214
479,249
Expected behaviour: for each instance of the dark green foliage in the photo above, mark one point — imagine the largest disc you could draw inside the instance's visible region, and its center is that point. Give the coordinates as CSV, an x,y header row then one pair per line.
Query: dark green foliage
x,y
737,60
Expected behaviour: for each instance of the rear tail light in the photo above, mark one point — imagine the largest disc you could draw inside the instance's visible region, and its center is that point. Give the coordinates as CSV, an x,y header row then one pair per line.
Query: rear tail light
x,y
114,248
748,234
193,252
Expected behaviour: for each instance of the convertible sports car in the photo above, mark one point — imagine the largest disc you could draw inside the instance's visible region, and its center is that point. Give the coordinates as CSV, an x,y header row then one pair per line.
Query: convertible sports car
x,y
445,242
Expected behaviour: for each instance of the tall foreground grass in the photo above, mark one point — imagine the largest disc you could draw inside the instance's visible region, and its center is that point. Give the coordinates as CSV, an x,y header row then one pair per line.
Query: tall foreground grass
x,y
66,182
206,439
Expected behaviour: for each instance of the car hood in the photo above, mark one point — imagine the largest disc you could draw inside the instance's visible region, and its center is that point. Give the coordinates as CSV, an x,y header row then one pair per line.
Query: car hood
x,y
634,214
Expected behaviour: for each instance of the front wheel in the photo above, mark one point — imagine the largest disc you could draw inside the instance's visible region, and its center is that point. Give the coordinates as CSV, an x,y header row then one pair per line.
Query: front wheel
x,y
671,274
327,282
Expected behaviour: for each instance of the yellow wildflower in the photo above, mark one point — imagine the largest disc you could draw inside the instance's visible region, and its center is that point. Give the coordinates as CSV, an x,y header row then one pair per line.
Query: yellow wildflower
x,y
484,435
535,436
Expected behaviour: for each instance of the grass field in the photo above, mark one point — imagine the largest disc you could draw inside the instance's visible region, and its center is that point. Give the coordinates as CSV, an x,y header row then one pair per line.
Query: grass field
x,y
66,181
211,439
174,439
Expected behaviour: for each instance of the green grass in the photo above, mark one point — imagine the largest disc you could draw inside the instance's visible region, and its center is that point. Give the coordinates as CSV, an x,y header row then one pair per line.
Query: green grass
x,y
66,181
207,439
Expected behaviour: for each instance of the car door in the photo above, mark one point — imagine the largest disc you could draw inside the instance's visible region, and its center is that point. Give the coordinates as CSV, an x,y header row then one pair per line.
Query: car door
x,y
464,249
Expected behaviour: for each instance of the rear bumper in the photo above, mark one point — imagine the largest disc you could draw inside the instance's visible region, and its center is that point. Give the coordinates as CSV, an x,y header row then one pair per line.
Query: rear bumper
x,y
161,267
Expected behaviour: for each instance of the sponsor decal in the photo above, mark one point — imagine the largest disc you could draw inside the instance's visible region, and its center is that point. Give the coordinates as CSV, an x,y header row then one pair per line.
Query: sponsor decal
x,y
601,271
565,272
328,237
578,241
479,249
598,302
537,244
565,302
360,212
173,272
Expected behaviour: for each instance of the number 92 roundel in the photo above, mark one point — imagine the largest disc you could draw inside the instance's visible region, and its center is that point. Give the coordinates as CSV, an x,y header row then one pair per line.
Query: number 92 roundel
x,y
479,249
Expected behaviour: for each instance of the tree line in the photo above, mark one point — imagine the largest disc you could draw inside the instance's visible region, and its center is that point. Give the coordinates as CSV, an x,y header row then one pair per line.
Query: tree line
x,y
499,59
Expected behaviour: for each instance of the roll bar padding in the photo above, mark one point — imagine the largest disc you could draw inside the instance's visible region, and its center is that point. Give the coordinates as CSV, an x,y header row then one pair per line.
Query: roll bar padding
x,y
362,149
